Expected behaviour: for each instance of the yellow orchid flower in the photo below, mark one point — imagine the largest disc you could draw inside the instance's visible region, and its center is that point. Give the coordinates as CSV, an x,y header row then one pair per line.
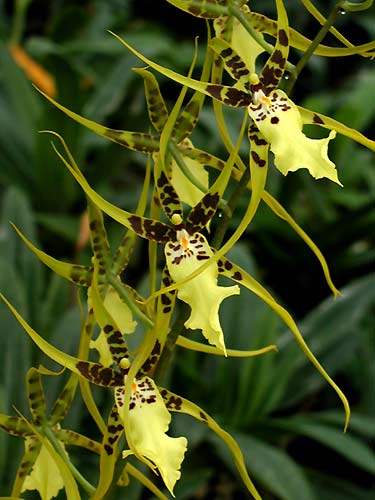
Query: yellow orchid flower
x,y
45,476
202,293
148,423
280,122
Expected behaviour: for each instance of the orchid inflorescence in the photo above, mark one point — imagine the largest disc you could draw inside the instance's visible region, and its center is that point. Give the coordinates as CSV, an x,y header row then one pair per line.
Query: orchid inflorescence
x,y
141,413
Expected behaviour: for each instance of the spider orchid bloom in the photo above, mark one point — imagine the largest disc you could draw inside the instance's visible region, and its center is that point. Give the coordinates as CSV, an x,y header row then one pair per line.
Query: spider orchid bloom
x,y
280,122
277,118
201,293
148,421
42,466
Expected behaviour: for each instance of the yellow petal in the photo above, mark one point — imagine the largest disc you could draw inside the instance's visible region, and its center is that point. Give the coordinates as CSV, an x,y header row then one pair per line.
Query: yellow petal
x,y
119,311
279,120
245,45
148,423
45,476
188,192
202,293
101,345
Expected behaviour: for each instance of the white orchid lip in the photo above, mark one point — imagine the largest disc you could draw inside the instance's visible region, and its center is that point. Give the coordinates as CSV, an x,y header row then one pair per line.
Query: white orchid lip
x,y
265,106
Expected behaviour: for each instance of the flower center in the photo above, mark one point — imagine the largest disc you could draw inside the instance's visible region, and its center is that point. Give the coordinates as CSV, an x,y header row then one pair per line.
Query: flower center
x,y
183,238
259,97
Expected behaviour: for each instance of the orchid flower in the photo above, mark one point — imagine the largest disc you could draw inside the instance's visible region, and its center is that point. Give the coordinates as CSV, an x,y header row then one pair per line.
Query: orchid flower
x,y
182,244
145,415
185,167
42,468
277,120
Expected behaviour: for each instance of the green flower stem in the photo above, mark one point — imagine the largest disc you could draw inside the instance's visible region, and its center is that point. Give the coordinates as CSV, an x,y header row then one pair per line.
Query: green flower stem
x,y
232,203
18,21
215,9
240,16
177,156
78,476
330,21
176,330
183,167
119,467
113,281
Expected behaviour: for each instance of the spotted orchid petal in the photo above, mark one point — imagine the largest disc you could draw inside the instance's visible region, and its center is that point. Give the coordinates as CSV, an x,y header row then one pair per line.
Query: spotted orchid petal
x,y
201,293
279,120
148,422
263,24
175,403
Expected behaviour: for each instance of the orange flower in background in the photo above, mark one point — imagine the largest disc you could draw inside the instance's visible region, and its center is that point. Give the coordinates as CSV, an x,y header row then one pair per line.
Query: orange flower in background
x,y
33,70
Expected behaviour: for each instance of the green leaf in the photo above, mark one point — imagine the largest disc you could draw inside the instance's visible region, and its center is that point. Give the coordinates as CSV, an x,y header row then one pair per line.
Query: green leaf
x,y
330,487
333,331
17,209
346,445
271,466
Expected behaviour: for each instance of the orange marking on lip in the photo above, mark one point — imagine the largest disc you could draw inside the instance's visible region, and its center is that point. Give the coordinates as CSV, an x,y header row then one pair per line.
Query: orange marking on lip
x,y
265,100
184,242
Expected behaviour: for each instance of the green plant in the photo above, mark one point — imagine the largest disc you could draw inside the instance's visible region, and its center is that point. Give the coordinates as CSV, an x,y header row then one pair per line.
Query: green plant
x,y
183,192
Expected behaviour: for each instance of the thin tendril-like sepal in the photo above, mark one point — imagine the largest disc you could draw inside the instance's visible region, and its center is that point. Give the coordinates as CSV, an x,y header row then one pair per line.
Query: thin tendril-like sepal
x,y
208,349
181,405
239,275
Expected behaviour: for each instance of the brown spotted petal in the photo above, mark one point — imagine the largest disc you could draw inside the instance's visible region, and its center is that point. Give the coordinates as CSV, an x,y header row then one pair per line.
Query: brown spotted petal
x,y
148,423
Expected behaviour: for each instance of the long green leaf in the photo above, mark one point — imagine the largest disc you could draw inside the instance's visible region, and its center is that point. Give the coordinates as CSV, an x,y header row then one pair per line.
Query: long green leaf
x,y
346,445
272,467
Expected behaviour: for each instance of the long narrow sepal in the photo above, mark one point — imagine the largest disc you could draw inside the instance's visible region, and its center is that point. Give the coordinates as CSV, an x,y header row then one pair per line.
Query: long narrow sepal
x,y
77,274
32,450
239,275
93,372
312,117
36,396
136,141
73,438
181,405
157,110
206,9
231,353
98,237
144,227
15,426
263,24
225,94
64,401
274,68
109,453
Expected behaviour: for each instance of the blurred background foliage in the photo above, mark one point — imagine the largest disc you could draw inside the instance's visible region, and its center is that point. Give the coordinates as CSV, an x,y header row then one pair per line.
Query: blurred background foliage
x,y
286,419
